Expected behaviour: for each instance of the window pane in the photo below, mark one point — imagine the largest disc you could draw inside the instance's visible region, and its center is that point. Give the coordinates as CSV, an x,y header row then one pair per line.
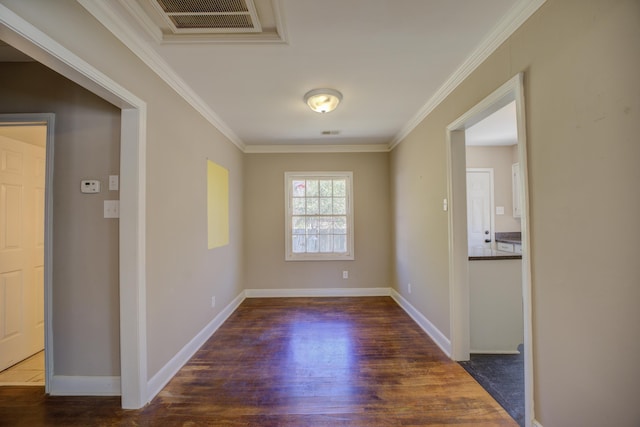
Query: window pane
x,y
298,243
326,243
312,225
312,244
298,188
325,225
320,209
312,206
339,187
340,243
298,225
326,188
312,188
326,206
340,225
298,206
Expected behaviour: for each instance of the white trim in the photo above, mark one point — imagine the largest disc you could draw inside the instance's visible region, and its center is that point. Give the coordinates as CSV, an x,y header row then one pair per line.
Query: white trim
x,y
48,119
434,333
317,292
315,148
18,32
536,423
103,12
518,14
526,247
458,258
472,351
168,371
132,257
349,255
458,245
64,385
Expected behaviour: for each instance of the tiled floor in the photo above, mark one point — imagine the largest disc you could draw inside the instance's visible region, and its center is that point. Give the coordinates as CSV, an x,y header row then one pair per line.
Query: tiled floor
x,y
27,372
502,375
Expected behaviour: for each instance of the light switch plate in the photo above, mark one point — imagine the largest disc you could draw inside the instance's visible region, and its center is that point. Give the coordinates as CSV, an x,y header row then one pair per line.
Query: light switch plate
x,y
499,210
114,182
112,208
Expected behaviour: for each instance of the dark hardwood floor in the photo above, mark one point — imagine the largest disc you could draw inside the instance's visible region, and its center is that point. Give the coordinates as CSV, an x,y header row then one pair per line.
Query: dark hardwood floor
x,y
293,362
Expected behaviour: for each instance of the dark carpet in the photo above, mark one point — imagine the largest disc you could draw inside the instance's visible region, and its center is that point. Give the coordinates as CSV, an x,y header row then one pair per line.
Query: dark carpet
x,y
502,375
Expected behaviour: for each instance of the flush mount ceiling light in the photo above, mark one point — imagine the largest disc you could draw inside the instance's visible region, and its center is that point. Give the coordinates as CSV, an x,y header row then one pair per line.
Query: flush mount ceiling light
x,y
323,100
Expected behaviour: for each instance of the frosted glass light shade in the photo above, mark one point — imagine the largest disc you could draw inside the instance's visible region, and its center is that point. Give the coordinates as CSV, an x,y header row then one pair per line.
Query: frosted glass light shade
x,y
323,100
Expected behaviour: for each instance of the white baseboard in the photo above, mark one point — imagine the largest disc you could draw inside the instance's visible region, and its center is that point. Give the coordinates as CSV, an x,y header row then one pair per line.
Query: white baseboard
x,y
168,371
329,292
536,424
438,337
70,385
494,351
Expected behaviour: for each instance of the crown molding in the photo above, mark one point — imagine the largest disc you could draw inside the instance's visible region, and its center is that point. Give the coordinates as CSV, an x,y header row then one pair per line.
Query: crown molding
x,y
103,11
518,14
299,148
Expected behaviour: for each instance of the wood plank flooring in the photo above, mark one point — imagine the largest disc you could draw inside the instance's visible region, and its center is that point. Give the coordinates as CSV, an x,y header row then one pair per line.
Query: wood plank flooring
x,y
293,362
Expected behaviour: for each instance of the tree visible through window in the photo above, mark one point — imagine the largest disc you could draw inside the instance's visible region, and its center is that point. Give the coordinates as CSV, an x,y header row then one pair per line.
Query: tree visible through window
x,y
319,216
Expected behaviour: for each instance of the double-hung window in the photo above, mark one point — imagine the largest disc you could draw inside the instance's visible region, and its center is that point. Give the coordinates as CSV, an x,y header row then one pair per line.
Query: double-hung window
x,y
319,216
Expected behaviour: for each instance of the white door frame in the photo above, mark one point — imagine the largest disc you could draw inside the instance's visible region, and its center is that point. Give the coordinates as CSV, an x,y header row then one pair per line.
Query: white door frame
x,y
48,120
492,217
133,345
458,257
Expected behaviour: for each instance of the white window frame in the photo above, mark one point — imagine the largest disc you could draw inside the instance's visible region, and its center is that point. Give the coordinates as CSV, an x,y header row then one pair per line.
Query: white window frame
x,y
289,177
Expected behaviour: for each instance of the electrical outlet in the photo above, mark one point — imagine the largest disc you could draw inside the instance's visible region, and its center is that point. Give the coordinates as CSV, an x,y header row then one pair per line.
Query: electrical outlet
x,y
409,287
213,302
345,274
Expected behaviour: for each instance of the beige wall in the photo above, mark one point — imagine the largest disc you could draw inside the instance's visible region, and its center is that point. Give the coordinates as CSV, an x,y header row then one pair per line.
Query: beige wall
x,y
500,160
264,222
85,245
181,273
581,66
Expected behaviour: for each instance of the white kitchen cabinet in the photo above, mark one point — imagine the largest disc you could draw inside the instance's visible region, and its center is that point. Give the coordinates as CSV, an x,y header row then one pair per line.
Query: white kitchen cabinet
x,y
505,247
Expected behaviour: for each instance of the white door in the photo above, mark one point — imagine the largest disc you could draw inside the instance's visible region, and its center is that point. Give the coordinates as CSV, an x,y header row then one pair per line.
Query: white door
x,y
479,207
22,181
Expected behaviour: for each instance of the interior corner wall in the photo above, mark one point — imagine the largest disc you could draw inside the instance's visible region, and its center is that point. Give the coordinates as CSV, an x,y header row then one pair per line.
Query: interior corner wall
x,y
85,245
182,274
581,66
265,220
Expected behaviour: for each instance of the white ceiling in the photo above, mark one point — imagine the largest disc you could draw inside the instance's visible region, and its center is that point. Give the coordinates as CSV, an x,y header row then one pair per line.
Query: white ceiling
x,y
500,128
391,59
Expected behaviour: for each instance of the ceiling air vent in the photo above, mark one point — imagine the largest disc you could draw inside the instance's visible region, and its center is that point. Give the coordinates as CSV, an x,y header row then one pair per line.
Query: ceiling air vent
x,y
209,16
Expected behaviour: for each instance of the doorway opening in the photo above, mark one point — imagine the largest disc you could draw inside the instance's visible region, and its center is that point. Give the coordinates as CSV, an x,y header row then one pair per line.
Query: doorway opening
x,y
20,34
26,161
459,264
495,267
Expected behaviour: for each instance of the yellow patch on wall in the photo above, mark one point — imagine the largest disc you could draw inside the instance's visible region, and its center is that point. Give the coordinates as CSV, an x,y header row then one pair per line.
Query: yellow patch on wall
x,y
217,205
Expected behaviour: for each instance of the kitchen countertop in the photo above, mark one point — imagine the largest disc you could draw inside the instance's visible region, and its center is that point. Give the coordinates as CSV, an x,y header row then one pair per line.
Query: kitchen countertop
x,y
483,254
513,237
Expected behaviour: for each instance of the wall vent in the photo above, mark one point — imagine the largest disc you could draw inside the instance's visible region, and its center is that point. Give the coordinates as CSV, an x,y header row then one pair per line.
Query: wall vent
x,y
209,16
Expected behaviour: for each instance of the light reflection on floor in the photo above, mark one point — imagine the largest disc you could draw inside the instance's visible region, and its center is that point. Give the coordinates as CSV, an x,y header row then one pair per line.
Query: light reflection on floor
x,y
321,349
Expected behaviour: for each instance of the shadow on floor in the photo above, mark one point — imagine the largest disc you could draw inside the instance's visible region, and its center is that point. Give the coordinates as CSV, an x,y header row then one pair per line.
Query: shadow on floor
x,y
502,375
